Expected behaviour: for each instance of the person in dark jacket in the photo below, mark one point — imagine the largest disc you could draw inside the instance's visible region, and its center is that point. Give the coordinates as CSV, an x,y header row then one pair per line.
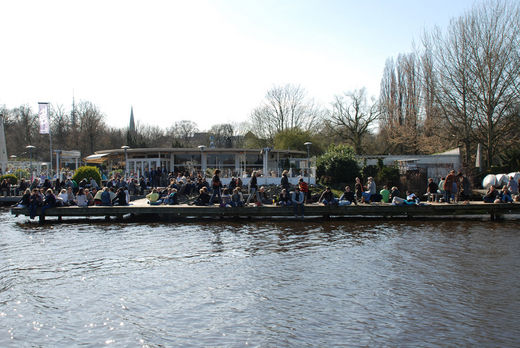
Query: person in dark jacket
x,y
491,195
203,198
327,197
120,198
347,197
284,199
26,199
216,185
36,201
285,181
49,201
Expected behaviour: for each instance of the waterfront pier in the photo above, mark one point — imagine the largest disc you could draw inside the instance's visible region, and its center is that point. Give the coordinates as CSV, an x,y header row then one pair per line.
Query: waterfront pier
x,y
140,210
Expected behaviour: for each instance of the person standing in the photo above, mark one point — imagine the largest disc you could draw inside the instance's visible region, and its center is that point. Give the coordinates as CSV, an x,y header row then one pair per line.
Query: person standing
x,y
253,188
449,186
298,199
216,184
358,189
285,181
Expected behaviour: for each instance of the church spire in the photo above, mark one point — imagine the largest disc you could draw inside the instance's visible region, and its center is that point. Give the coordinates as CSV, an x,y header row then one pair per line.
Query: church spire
x,y
131,128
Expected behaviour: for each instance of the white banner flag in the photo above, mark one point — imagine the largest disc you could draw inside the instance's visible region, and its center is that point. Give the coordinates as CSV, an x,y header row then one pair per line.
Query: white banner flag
x,y
43,114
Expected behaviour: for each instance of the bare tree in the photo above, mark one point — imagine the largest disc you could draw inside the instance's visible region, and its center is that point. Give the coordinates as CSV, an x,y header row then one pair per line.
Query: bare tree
x,y
476,75
91,125
495,64
400,104
351,117
183,131
223,135
285,107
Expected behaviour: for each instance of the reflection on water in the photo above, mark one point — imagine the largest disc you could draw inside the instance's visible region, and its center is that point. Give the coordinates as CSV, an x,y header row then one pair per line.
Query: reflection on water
x,y
296,283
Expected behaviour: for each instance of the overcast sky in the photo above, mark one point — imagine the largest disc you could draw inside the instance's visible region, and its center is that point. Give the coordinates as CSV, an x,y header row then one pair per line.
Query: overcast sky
x,y
206,61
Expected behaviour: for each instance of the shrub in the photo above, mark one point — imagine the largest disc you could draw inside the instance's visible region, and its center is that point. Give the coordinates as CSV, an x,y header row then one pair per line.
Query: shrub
x,y
388,175
337,165
87,172
10,177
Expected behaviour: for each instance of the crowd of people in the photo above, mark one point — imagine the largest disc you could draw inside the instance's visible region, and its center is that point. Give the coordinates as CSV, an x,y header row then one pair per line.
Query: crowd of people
x,y
194,189
507,194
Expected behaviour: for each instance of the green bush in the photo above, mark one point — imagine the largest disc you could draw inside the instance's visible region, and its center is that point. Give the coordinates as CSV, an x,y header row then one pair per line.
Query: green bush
x,y
87,172
22,173
388,175
10,177
337,165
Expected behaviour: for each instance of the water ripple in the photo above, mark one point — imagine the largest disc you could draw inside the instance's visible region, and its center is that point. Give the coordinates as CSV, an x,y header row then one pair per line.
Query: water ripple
x,y
361,283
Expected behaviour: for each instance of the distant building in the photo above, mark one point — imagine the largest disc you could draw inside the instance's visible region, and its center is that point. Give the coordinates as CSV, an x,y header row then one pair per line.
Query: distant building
x,y
231,162
433,166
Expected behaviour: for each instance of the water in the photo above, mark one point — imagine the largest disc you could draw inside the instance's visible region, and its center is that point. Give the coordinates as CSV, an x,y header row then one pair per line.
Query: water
x,y
263,284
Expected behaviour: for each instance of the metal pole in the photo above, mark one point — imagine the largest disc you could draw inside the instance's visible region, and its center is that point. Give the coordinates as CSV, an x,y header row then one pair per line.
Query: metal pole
x,y
308,144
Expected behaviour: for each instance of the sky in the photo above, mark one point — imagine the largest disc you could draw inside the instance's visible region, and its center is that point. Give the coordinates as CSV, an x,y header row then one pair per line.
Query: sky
x,y
208,61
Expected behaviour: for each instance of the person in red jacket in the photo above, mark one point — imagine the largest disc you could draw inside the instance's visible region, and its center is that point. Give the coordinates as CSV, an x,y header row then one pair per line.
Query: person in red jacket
x,y
304,188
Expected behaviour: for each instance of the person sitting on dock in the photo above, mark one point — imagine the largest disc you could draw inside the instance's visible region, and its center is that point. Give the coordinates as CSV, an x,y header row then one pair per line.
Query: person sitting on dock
x,y
431,190
327,197
105,197
347,198
237,199
22,186
370,190
203,198
49,201
26,199
504,196
90,197
263,197
63,198
97,197
512,185
5,186
491,195
284,199
225,199
394,192
298,200
120,198
36,201
385,194
172,198
81,199
71,197
153,197
411,199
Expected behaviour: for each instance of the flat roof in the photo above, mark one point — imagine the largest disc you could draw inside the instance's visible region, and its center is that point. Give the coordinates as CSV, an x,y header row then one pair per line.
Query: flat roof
x,y
195,150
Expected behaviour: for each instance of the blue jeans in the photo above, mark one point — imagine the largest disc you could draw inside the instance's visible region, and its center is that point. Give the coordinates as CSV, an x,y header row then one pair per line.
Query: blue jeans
x,y
299,207
216,192
253,191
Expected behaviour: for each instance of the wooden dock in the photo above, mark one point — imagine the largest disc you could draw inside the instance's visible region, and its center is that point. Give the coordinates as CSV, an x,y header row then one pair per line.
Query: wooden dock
x,y
140,210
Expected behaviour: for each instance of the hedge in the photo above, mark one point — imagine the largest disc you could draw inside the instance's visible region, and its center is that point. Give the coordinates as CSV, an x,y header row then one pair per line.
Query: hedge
x,y
11,177
87,172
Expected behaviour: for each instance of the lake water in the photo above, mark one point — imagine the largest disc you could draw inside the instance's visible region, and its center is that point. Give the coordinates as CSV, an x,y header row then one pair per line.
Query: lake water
x,y
268,284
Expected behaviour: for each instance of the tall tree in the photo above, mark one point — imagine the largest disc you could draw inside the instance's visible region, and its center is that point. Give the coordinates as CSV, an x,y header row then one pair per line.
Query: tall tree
x,y
351,117
91,125
285,107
